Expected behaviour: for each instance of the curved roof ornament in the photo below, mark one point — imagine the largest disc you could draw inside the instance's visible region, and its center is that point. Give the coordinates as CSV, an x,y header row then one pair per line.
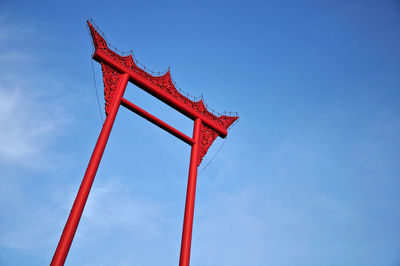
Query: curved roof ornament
x,y
162,87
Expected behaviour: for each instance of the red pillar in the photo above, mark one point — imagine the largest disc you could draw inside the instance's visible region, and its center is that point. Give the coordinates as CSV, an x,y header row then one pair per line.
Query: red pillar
x,y
79,204
190,196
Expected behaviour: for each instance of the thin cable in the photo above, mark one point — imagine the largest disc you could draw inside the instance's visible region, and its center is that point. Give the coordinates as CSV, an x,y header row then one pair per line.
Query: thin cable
x,y
215,155
97,94
212,159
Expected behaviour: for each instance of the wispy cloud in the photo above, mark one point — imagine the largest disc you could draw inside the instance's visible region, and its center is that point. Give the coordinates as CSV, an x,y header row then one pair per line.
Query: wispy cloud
x,y
33,233
11,31
112,212
26,125
113,205
30,118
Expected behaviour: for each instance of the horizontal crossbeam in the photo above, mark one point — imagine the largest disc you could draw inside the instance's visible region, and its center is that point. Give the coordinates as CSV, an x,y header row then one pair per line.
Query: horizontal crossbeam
x,y
136,109
149,87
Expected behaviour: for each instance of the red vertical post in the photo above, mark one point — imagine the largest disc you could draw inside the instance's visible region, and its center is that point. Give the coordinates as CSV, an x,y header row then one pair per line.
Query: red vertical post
x,y
190,196
79,204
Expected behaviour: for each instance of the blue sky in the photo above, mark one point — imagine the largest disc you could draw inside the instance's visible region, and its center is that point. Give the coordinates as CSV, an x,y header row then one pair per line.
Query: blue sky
x,y
309,175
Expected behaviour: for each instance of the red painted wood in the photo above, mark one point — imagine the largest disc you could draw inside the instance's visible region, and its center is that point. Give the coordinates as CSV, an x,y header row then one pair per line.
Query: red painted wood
x,y
155,91
117,72
79,204
134,108
190,197
161,87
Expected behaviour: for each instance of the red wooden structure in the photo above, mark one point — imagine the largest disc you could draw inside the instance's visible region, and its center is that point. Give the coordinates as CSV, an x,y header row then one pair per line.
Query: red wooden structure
x,y
117,72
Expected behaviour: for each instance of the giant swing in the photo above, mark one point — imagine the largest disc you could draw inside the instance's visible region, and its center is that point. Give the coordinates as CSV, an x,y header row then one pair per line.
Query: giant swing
x,y
117,71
